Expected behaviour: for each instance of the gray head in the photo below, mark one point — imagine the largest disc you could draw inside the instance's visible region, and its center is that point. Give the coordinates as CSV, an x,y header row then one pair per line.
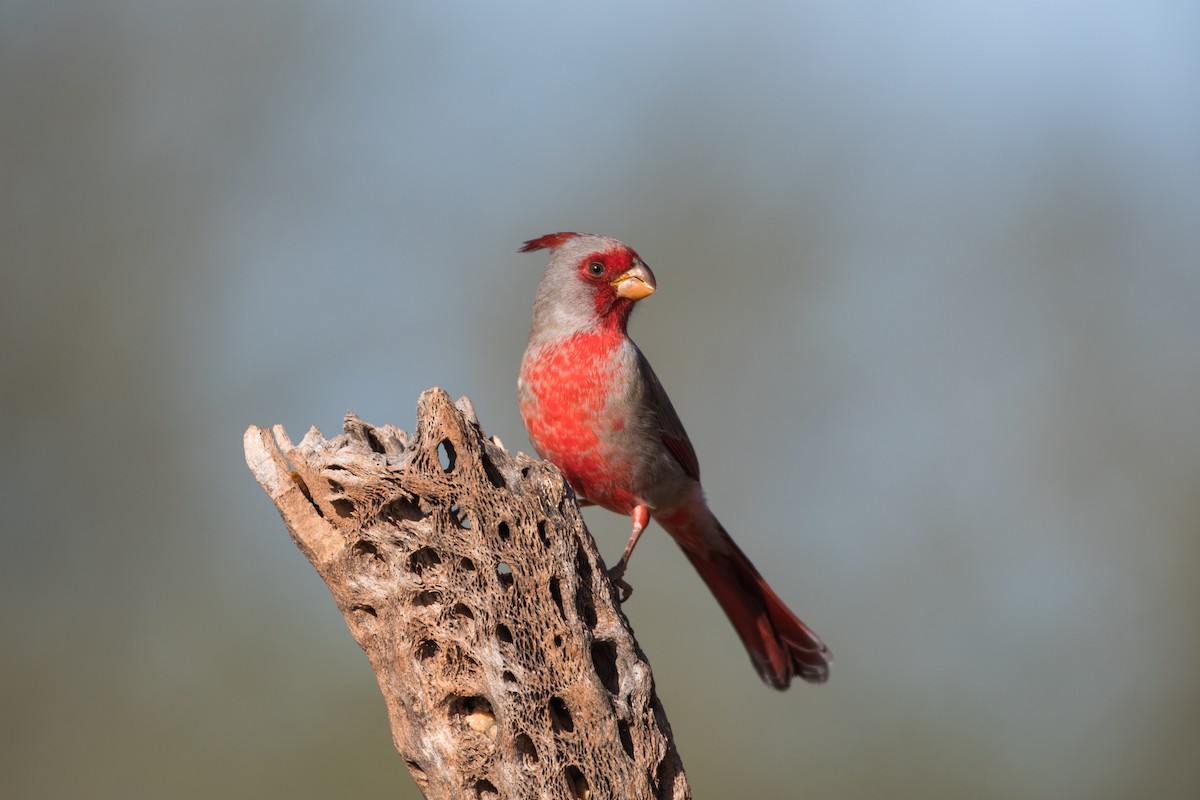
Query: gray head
x,y
591,283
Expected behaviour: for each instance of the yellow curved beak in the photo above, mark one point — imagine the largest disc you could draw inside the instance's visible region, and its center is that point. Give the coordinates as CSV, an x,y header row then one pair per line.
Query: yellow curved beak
x,y
635,283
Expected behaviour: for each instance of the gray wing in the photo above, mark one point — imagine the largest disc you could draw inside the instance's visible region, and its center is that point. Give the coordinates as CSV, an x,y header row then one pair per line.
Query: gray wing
x,y
674,437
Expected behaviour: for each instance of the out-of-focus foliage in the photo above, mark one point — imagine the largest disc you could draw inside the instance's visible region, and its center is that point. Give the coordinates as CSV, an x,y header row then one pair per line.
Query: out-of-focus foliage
x,y
929,294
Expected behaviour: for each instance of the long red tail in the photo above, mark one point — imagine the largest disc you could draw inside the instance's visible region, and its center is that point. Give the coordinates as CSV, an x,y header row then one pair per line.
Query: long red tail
x,y
780,645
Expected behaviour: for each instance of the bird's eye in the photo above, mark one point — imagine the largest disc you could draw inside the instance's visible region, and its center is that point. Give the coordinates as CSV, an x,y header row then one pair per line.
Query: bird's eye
x,y
595,269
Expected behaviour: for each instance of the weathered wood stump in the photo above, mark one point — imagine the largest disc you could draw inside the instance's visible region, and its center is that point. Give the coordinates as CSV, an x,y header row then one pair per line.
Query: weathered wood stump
x,y
469,579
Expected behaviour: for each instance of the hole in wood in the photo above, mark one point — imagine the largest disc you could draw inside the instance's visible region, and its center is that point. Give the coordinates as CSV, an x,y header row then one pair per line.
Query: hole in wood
x,y
343,508
476,713
364,549
427,598
503,532
460,516
504,574
489,469
421,560
509,677
526,751
558,640
446,455
364,609
626,738
542,533
504,634
463,610
604,659
403,508
486,790
577,785
556,596
589,613
304,490
373,441
417,772
467,564
584,602
665,772
427,649
560,716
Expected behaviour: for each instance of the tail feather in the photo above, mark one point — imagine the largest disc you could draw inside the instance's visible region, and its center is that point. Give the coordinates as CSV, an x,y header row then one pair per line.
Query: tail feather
x,y
779,644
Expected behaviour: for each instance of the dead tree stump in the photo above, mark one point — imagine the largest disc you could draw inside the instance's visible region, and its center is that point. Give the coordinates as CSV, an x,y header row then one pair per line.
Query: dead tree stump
x,y
469,579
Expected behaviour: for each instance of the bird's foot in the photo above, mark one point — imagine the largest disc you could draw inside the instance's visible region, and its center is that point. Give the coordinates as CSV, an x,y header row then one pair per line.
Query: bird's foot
x,y
617,576
641,518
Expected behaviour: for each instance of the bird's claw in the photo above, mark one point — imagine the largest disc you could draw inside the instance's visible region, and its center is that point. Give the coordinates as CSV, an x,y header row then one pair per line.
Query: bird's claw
x,y
624,589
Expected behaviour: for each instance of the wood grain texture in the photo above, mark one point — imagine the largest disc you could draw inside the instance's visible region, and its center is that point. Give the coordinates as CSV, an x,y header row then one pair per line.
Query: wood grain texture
x,y
469,579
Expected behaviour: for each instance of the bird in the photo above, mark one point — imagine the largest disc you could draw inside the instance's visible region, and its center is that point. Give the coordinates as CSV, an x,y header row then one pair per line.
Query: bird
x,y
594,408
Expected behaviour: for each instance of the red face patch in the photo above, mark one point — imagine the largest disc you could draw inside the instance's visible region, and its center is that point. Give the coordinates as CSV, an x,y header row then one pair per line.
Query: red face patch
x,y
599,270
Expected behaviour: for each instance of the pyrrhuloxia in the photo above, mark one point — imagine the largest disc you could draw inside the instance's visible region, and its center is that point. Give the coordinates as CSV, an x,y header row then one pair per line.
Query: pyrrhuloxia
x,y
595,409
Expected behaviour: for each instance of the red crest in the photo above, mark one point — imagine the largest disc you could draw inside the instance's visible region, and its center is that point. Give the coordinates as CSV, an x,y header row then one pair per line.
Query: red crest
x,y
550,240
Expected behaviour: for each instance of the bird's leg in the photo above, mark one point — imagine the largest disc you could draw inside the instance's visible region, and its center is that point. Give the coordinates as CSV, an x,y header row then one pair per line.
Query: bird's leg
x,y
641,518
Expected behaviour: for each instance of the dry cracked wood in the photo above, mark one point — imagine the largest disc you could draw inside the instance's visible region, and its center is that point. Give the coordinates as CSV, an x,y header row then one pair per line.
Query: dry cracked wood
x,y
468,577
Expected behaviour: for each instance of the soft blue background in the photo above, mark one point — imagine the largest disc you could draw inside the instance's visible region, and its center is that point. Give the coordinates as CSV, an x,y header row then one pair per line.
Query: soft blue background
x,y
929,305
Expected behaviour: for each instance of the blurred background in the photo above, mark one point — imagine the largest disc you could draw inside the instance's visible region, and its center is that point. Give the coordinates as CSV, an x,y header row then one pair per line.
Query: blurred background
x,y
929,305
